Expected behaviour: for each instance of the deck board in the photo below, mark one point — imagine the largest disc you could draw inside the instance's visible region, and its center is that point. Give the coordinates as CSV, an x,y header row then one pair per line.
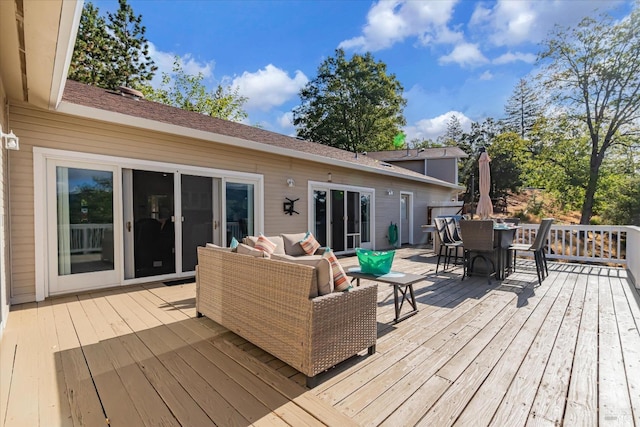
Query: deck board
x,y
477,353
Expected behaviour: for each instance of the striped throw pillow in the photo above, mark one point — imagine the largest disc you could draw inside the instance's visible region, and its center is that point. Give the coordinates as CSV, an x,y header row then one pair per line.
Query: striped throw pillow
x,y
309,244
265,245
340,280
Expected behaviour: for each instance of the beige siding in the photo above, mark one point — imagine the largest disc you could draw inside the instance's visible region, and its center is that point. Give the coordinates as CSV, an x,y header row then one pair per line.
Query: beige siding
x,y
4,238
39,128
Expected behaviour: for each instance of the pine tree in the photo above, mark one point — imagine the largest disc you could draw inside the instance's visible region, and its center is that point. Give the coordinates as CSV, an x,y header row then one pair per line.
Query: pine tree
x,y
454,134
91,50
130,63
522,109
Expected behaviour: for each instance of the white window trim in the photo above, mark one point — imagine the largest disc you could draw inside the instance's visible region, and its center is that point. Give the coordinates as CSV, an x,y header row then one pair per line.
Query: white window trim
x,y
320,185
410,212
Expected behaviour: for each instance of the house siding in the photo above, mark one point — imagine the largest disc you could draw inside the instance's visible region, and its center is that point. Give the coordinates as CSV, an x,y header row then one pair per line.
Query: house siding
x,y
4,240
444,169
40,128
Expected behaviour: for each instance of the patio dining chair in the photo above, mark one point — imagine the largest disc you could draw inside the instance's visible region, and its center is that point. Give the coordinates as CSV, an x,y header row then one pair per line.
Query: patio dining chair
x,y
453,228
478,241
538,248
447,244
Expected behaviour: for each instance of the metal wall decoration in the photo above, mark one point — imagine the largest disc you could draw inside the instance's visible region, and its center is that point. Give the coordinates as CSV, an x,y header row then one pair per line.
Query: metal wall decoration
x,y
289,206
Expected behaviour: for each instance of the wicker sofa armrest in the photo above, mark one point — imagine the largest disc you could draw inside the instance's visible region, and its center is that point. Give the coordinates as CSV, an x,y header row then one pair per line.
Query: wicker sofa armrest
x,y
343,324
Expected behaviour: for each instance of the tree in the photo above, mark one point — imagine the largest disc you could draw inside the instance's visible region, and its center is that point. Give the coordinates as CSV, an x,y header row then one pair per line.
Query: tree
x,y
507,154
454,134
353,105
480,135
522,109
558,160
130,63
108,59
188,92
91,51
594,73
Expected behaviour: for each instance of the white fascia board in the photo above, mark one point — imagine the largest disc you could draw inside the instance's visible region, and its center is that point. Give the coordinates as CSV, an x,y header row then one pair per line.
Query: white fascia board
x,y
70,14
153,125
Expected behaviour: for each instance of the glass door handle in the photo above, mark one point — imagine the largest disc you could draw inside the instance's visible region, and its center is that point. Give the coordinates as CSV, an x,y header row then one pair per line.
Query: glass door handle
x,y
129,226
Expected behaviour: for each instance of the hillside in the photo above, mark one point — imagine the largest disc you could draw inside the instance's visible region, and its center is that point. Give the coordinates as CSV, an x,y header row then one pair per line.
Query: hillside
x,y
533,205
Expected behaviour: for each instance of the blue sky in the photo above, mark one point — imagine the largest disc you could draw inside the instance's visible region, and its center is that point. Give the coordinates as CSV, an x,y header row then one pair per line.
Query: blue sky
x,y
457,57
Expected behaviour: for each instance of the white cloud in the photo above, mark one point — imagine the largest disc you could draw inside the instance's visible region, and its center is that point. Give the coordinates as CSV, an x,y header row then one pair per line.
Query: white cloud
x,y
435,127
509,57
464,54
510,23
392,21
268,87
164,61
285,121
486,76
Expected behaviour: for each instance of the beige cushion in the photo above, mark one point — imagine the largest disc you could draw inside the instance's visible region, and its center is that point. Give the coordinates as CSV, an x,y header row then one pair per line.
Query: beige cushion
x,y
323,271
251,241
292,244
248,250
219,248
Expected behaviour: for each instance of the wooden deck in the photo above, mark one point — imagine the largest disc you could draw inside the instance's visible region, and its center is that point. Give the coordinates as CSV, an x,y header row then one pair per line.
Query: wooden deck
x,y
476,354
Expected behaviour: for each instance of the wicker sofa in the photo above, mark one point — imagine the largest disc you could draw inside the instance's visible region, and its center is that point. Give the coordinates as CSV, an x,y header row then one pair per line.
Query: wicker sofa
x,y
267,302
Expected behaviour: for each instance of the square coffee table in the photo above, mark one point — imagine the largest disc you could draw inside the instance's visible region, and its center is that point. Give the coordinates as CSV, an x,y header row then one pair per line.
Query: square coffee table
x,y
402,285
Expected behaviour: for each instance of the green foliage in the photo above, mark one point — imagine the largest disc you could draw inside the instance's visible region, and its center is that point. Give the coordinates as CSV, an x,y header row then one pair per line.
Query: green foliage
x,y
351,104
91,51
508,154
97,198
620,192
522,109
558,160
593,72
117,57
131,64
480,135
454,135
535,206
188,92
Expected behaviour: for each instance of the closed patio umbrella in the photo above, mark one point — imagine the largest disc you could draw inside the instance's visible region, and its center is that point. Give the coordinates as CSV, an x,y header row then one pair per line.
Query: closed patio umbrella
x,y
485,207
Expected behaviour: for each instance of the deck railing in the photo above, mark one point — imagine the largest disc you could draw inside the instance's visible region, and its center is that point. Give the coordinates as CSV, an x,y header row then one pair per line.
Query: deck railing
x,y
605,244
87,238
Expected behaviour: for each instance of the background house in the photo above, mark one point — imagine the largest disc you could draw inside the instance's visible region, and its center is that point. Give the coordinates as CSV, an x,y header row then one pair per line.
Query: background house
x,y
440,162
107,189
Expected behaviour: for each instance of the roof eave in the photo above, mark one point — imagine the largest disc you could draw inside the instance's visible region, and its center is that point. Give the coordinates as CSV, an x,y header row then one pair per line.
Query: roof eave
x,y
142,123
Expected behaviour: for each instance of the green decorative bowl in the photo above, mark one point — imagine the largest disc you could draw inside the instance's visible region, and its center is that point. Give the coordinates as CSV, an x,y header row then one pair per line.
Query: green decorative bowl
x,y
375,262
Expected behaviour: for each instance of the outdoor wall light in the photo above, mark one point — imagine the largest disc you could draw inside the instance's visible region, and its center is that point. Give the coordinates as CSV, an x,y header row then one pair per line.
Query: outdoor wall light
x,y
10,140
329,177
390,192
291,182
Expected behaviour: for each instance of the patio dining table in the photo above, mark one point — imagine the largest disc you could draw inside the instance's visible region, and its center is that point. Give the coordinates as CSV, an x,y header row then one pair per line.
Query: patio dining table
x,y
503,235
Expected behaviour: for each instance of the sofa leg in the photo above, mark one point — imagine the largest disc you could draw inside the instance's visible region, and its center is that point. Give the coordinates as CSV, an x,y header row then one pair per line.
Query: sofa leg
x,y
312,381
371,350
198,314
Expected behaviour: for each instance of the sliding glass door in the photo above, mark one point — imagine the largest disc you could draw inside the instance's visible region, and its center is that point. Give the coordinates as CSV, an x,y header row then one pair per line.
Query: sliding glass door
x,y
341,218
81,240
106,221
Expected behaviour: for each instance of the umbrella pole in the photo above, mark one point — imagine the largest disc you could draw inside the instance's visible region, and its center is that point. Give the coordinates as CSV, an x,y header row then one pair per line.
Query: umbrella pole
x,y
473,184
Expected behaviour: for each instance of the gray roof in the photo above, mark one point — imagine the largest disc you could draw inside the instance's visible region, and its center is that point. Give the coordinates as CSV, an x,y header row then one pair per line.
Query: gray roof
x,y
114,102
415,154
